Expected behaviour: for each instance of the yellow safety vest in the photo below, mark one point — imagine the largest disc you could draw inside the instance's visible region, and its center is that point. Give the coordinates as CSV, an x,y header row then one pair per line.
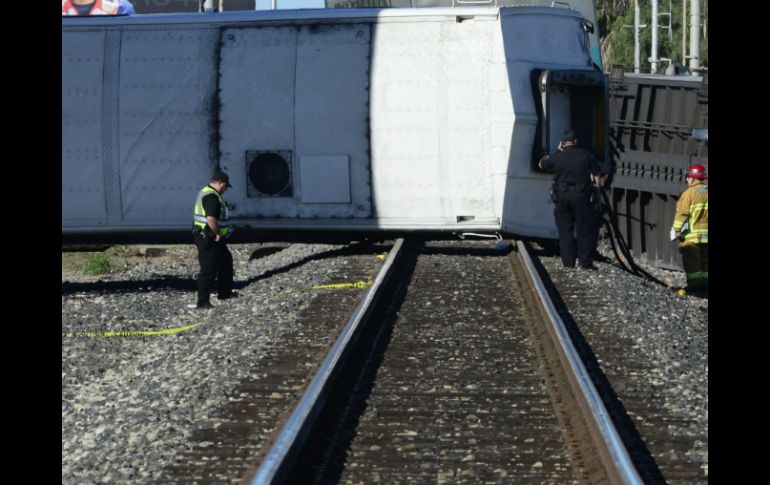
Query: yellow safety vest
x,y
199,215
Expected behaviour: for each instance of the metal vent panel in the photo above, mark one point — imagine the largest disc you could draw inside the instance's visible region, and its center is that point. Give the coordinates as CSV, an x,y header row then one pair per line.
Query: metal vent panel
x,y
269,173
325,179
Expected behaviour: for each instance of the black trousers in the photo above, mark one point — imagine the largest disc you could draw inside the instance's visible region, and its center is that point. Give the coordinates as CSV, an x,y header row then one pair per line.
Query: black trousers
x,y
574,214
216,263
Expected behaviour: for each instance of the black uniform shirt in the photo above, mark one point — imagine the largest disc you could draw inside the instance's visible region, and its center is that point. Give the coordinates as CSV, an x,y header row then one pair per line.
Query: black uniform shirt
x,y
572,166
211,206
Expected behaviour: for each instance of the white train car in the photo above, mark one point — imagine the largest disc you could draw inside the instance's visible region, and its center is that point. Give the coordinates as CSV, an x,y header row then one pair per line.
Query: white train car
x,y
330,123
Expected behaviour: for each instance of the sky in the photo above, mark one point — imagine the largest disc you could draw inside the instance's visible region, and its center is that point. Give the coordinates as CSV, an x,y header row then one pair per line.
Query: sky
x,y
265,4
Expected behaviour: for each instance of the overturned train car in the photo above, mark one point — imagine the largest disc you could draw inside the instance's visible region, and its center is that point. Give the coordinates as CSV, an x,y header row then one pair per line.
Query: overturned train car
x,y
332,124
658,128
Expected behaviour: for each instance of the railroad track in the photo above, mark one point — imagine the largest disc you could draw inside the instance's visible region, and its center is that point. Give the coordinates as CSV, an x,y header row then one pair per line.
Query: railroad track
x,y
665,440
452,375
453,378
226,450
448,372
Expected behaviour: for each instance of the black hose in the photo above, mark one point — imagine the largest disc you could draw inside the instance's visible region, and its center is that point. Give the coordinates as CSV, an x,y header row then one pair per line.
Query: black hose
x,y
616,238
617,242
614,246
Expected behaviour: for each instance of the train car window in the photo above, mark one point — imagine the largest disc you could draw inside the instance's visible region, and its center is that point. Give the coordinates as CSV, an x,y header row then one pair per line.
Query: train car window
x,y
570,99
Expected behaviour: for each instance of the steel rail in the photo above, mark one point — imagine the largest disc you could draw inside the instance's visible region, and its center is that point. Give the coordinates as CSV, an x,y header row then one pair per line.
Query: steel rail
x,y
612,451
282,454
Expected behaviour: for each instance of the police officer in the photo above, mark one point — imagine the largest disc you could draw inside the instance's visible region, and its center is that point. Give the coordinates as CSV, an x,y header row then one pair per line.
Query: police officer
x,y
576,180
691,227
210,230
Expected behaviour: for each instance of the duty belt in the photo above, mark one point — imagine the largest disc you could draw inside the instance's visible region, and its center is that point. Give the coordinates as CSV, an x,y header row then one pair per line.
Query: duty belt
x,y
201,232
567,186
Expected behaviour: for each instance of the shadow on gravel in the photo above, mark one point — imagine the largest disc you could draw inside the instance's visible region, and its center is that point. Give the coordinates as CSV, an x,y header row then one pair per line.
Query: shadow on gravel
x,y
550,249
130,286
464,251
638,451
190,284
265,251
326,448
357,248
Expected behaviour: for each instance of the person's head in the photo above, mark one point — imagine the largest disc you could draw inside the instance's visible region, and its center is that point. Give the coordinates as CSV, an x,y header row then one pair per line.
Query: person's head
x,y
696,173
220,181
568,139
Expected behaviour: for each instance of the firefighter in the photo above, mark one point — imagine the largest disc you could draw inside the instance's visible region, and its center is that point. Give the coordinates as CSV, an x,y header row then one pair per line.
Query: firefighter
x,y
576,180
691,228
210,230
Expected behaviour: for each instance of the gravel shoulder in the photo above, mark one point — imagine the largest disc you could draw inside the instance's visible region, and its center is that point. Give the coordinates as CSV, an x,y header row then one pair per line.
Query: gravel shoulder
x,y
130,403
667,337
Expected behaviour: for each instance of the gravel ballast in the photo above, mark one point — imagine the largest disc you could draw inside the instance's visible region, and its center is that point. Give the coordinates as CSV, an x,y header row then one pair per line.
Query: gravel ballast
x,y
130,403
653,346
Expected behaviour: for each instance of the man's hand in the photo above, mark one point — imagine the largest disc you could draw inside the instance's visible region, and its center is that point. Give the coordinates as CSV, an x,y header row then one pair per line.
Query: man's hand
x,y
596,199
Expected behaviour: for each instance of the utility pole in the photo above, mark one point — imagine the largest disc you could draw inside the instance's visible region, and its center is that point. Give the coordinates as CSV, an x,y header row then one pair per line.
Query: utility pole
x,y
684,32
694,35
637,27
654,60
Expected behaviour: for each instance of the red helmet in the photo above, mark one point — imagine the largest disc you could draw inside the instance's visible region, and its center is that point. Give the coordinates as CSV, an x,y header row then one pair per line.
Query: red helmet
x,y
697,171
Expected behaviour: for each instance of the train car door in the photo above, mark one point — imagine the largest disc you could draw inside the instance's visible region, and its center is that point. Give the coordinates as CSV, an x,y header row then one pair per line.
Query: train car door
x,y
574,100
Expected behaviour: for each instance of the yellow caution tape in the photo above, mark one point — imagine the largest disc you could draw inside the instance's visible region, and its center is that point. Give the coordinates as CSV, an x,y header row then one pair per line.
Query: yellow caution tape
x,y
357,284
171,331
138,333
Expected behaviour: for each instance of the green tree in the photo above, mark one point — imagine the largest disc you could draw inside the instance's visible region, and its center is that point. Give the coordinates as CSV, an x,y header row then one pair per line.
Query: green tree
x,y
618,40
